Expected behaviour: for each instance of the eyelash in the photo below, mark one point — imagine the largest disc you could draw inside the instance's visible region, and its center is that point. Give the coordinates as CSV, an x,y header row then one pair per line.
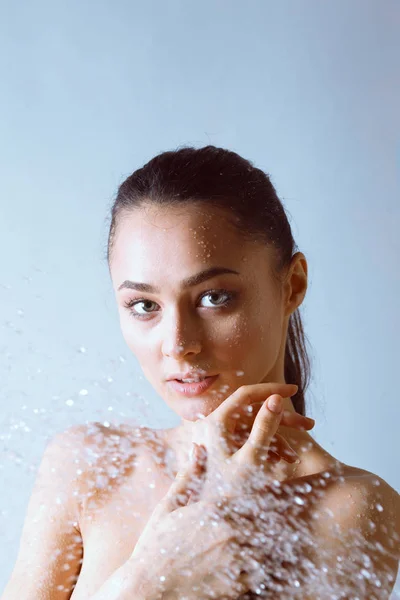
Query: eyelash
x,y
131,303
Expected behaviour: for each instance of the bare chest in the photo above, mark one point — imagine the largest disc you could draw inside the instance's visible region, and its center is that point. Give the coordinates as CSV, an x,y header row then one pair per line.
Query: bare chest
x,y
111,524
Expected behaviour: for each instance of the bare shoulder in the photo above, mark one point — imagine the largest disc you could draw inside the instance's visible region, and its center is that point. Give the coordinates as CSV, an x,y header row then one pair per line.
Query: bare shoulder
x,y
356,493
357,522
95,445
101,458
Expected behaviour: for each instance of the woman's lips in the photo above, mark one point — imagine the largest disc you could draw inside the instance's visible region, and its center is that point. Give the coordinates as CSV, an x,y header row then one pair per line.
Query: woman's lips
x,y
192,389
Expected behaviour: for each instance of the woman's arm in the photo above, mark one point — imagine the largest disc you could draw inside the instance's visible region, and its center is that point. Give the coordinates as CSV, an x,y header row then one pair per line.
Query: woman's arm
x,y
50,552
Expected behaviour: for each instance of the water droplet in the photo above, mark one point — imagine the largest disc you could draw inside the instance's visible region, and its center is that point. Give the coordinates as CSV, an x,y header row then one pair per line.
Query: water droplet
x,y
379,507
83,393
299,500
366,574
69,402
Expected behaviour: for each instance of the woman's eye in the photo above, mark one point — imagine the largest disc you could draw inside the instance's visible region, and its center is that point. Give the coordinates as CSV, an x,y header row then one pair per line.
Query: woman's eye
x,y
214,296
133,306
141,308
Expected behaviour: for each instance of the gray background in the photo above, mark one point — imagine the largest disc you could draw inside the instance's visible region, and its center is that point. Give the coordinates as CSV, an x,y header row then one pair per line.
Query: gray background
x,y
309,91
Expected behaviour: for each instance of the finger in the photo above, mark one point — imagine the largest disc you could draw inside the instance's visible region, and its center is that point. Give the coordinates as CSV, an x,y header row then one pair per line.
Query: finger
x,y
296,420
290,418
245,396
198,484
282,447
186,482
265,425
273,457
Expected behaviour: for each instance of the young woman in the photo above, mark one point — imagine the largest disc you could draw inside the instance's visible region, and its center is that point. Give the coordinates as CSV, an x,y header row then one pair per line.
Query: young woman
x,y
238,501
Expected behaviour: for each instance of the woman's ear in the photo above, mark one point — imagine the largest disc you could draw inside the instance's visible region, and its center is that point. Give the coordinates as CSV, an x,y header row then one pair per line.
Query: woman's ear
x,y
296,282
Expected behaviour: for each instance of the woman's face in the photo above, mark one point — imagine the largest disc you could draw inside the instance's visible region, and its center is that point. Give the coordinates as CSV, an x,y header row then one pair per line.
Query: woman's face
x,y
232,324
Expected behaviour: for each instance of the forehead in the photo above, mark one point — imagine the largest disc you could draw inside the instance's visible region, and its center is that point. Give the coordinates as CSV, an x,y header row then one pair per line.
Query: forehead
x,y
168,243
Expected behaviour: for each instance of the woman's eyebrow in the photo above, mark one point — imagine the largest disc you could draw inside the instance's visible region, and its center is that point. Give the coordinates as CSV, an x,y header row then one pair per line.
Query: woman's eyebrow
x,y
185,283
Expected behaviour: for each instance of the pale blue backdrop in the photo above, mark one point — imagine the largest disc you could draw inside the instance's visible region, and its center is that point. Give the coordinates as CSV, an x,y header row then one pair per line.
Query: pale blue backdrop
x,y
309,91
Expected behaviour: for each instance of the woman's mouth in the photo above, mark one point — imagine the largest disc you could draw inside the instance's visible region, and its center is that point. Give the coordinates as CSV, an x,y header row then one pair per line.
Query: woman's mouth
x,y
192,388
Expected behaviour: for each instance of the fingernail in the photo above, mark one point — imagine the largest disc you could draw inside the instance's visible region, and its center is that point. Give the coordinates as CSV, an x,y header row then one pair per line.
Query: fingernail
x,y
311,421
275,404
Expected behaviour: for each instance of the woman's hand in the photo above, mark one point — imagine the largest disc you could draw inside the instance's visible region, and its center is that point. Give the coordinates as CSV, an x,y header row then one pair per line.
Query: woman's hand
x,y
267,517
234,454
187,552
202,549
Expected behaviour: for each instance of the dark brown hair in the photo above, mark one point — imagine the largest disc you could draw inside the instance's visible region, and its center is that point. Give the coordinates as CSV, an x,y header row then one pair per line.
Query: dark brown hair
x,y
223,179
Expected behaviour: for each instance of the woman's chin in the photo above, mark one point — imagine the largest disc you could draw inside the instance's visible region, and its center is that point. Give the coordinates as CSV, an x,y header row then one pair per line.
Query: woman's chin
x,y
193,409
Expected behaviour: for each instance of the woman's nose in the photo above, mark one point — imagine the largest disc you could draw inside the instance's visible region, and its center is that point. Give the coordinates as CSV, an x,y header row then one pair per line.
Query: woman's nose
x,y
176,348
180,340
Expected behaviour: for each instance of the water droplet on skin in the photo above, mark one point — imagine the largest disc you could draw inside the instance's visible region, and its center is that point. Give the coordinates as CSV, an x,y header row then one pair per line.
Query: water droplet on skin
x,y
366,574
298,500
379,507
